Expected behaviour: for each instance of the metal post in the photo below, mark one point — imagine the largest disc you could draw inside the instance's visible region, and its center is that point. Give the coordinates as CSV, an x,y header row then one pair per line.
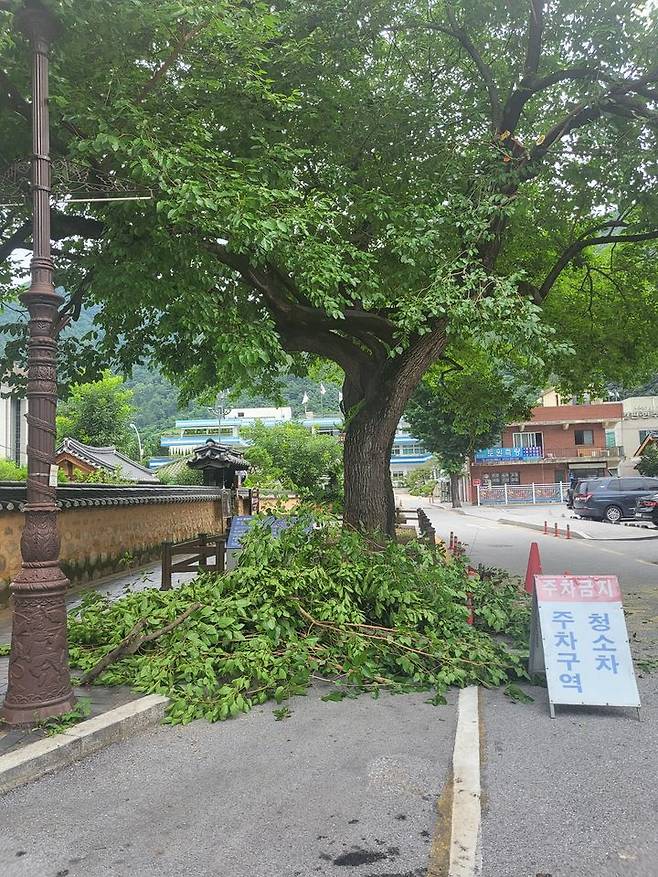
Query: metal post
x,y
139,442
561,492
220,557
165,583
477,487
39,680
534,495
203,557
505,486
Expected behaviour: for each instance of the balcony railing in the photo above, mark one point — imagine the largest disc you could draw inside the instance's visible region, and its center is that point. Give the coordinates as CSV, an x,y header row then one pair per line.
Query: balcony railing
x,y
583,451
533,454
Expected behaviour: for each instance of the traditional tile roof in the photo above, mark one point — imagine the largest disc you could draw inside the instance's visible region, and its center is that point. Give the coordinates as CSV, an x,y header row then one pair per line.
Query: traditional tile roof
x,y
212,454
106,458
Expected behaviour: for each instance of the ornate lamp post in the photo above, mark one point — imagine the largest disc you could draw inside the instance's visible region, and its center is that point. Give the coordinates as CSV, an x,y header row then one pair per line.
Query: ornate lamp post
x,y
39,680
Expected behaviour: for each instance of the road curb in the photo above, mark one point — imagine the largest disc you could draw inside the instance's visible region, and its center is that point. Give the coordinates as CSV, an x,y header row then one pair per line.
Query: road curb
x,y
36,759
575,534
539,528
465,841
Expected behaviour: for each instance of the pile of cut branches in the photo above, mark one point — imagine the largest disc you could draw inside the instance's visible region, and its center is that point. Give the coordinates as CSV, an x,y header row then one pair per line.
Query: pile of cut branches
x,y
320,605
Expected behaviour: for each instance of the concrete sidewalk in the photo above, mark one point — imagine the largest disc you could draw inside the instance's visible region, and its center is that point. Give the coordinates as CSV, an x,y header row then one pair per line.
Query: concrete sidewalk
x,y
534,517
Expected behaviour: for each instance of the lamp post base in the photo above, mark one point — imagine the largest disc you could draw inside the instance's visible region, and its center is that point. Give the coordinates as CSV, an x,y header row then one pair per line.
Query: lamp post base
x,y
39,682
18,716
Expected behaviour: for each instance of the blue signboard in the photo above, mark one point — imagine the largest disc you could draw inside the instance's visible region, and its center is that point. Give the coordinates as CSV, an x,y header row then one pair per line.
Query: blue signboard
x,y
508,454
240,525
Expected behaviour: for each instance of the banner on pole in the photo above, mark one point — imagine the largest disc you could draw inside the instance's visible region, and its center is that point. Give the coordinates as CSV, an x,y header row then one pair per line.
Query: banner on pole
x,y
579,640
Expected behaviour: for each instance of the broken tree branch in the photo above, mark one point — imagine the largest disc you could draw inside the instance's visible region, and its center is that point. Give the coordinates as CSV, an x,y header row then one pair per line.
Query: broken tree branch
x,y
133,641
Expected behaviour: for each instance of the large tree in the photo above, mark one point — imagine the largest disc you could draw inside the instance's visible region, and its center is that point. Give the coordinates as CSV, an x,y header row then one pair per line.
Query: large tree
x,y
359,182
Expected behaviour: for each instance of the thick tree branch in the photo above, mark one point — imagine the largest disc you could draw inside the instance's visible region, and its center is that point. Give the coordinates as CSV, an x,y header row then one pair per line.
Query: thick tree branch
x,y
578,246
326,344
173,56
457,32
534,41
485,71
372,330
63,226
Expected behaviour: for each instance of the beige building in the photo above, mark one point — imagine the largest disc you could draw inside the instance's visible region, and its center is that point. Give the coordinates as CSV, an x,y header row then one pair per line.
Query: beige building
x,y
13,427
640,419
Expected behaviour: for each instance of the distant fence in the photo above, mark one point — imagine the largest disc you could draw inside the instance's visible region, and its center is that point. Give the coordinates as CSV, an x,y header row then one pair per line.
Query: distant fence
x,y
523,494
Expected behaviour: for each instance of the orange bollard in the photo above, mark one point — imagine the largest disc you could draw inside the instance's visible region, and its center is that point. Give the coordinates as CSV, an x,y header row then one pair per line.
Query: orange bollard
x,y
556,533
534,568
545,528
568,532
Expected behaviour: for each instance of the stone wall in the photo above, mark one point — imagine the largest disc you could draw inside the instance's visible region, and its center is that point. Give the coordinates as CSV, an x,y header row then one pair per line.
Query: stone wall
x,y
99,540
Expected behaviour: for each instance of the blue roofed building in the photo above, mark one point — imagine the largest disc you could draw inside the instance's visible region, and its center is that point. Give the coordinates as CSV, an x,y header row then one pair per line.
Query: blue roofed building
x,y
407,453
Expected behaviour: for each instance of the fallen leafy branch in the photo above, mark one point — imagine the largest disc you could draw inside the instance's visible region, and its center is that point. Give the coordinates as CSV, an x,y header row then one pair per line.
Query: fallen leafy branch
x,y
304,607
133,642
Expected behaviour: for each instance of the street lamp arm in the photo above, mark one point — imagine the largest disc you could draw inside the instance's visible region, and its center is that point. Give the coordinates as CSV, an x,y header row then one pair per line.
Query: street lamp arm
x,y
139,442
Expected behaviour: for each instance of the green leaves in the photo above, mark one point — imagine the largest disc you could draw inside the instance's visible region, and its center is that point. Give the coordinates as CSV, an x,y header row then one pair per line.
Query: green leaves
x,y
515,693
97,413
304,607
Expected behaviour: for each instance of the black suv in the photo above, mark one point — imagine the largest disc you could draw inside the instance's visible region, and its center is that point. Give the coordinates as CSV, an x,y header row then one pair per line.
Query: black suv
x,y
611,499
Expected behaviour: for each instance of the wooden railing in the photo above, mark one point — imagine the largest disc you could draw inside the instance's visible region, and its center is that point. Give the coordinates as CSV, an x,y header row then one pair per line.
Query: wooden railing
x,y
195,556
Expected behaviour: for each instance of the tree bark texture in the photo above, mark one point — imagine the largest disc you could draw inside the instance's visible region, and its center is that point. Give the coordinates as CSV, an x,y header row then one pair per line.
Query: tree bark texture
x,y
374,401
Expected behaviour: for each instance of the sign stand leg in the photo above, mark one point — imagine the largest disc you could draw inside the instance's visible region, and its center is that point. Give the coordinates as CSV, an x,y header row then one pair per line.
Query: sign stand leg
x,y
639,717
551,709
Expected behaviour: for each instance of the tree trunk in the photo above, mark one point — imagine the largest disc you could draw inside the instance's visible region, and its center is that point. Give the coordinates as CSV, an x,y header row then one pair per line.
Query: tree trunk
x,y
369,500
374,400
454,491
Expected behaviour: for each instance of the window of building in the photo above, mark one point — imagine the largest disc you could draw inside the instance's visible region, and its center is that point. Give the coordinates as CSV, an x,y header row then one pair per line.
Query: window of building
x,y
584,436
647,432
527,440
500,478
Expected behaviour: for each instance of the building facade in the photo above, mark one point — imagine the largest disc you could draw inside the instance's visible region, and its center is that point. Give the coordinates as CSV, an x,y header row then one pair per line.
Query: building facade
x,y
13,427
556,441
407,452
639,421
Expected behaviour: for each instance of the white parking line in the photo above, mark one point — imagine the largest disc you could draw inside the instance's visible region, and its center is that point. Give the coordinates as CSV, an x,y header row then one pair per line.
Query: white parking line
x,y
465,854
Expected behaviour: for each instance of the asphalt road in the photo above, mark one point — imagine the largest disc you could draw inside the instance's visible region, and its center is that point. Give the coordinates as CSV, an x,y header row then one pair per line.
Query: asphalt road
x,y
574,796
570,797
360,787
338,788
633,561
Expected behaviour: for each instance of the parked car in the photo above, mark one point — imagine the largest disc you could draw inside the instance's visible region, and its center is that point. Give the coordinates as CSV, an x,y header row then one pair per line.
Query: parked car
x,y
611,499
588,484
647,509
